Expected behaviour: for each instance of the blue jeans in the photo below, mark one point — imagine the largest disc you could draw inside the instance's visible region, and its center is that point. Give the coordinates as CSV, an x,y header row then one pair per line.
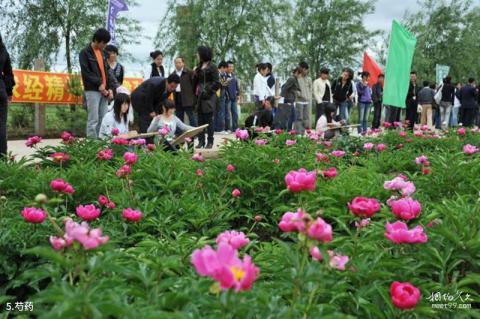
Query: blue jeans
x,y
363,111
231,108
220,117
454,117
292,118
343,107
97,107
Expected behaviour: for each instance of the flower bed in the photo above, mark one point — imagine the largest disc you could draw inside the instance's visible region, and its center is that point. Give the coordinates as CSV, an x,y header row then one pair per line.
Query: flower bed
x,y
278,227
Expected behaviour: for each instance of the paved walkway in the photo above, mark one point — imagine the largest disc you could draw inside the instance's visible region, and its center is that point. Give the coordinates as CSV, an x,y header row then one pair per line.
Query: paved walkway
x,y
19,149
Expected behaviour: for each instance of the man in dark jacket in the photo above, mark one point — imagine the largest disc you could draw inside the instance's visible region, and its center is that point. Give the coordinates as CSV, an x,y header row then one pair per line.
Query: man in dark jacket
x,y
184,94
99,82
411,101
148,97
377,99
468,98
232,97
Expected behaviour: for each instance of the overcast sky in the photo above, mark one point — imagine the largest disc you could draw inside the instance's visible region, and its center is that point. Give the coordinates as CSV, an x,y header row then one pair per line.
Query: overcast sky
x,y
150,12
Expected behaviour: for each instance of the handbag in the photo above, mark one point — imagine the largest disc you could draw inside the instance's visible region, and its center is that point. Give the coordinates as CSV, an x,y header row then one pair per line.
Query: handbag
x,y
438,95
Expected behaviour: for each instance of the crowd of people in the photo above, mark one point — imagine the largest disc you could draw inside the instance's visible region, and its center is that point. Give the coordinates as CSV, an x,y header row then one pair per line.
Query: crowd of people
x,y
209,94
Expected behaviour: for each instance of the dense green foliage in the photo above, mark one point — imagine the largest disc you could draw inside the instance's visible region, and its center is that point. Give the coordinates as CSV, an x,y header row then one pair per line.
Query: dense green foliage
x,y
144,271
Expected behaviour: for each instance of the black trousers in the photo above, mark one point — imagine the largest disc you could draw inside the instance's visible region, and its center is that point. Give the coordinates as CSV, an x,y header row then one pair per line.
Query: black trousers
x,y
468,116
377,113
411,113
3,125
206,118
144,121
394,114
319,110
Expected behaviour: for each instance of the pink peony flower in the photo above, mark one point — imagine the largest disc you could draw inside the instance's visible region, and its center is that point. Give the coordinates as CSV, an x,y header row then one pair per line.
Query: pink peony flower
x,y
236,192
320,230
130,158
151,147
399,233
103,200
111,205
404,295
405,208
469,149
105,155
164,131
322,158
225,267
57,242
300,180
327,144
363,223
258,218
315,253
119,141
402,134
368,146
387,124
230,168
199,172
138,141
33,215
401,185
337,261
88,238
60,186
59,157
292,132
461,131
260,141
313,137
278,131
422,160
115,131
364,207
198,157
330,173
88,212
397,124
290,142
338,153
381,147
131,215
235,239
241,134
124,171
67,137
292,222
418,133
426,171
32,141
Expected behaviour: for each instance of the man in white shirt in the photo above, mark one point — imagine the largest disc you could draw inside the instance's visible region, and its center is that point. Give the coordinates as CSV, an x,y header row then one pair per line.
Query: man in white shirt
x,y
322,92
184,93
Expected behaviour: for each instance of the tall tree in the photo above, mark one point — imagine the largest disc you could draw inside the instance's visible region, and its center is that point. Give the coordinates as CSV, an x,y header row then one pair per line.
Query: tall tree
x,y
43,28
242,30
448,35
327,32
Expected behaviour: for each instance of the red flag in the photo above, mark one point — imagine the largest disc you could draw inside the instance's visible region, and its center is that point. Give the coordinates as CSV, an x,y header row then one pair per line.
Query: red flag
x,y
370,66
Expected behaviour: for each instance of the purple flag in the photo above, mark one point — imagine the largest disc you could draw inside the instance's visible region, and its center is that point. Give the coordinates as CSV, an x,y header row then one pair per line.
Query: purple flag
x,y
114,7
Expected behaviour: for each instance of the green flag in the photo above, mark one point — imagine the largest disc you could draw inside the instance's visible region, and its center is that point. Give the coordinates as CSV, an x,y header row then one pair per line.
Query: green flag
x,y
399,62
